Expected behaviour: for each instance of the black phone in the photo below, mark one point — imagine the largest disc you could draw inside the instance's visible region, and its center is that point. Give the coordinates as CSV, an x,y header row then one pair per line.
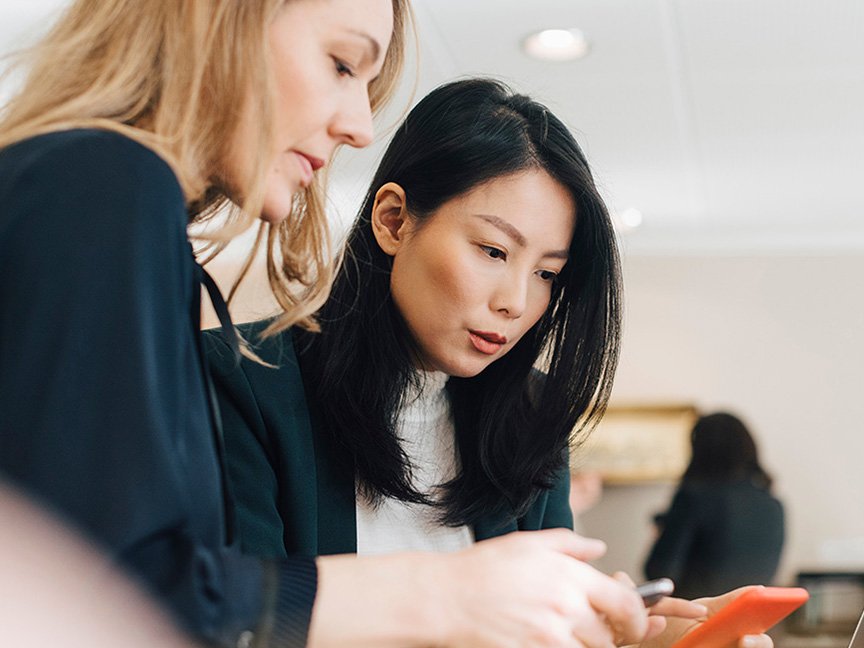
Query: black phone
x,y
652,591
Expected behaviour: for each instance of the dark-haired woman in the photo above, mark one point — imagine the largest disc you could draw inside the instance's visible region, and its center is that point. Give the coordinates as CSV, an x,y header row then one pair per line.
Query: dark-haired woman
x,y
416,420
724,528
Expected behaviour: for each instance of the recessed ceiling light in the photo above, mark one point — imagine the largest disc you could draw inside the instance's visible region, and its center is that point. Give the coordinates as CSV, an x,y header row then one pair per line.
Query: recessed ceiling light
x,y
556,45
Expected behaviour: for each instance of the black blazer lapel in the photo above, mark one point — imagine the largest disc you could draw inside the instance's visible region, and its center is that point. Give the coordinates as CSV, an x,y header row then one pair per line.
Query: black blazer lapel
x,y
336,503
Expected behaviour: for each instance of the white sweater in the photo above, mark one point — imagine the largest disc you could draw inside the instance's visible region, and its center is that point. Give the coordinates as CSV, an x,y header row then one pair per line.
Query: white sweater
x,y
425,427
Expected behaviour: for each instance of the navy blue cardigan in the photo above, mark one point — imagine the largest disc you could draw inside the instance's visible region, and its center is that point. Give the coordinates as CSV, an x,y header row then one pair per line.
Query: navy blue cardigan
x,y
104,414
290,496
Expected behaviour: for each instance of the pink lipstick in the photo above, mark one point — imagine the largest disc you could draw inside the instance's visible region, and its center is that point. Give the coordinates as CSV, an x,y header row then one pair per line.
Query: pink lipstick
x,y
308,165
486,341
315,162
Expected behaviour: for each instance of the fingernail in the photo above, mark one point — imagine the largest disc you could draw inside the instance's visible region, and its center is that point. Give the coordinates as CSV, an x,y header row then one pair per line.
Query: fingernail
x,y
750,642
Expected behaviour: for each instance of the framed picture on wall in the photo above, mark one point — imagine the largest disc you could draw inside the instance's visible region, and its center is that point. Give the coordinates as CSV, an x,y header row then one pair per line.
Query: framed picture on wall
x,y
636,443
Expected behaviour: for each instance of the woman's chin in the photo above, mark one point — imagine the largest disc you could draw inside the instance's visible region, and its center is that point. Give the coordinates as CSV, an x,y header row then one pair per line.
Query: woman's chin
x,y
466,369
276,211
279,200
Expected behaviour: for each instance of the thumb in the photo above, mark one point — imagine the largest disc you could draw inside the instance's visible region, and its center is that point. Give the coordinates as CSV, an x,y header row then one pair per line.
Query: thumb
x,y
716,603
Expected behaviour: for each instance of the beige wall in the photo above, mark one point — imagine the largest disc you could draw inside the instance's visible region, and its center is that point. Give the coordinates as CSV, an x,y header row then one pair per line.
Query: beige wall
x,y
778,339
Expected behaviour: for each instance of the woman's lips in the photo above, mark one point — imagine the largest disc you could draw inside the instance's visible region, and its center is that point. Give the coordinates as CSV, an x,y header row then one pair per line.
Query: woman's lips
x,y
308,165
487,342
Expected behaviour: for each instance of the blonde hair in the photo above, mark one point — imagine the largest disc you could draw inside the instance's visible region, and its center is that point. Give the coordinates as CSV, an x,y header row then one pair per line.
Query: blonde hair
x,y
174,76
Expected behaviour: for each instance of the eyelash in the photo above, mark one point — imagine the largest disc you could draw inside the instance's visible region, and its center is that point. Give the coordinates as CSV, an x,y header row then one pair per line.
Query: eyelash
x,y
342,69
490,251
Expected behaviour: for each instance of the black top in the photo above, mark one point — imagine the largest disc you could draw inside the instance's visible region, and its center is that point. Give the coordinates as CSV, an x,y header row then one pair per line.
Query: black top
x,y
286,467
103,400
718,536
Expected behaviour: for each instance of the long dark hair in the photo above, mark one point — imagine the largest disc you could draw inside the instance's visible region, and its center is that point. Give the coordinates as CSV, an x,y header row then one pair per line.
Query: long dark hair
x,y
723,450
512,429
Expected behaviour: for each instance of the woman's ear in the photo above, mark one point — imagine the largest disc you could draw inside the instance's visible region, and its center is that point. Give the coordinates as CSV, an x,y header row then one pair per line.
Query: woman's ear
x,y
390,217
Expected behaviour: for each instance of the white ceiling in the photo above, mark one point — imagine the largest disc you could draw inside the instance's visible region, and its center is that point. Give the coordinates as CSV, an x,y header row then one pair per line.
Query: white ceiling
x,y
733,125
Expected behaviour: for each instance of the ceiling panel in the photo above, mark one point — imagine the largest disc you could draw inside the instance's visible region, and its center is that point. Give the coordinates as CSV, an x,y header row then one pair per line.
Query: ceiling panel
x,y
777,92
732,124
729,123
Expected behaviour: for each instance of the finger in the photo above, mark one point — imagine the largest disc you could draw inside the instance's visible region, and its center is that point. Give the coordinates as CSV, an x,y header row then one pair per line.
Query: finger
x,y
656,625
583,628
756,641
566,542
671,606
620,603
622,577
715,603
590,630
551,631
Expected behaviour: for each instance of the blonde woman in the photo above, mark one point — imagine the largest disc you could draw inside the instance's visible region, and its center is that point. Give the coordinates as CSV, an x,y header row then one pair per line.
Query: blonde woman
x,y
138,118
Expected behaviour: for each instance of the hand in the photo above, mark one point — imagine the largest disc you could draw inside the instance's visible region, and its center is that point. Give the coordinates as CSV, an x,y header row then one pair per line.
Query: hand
x,y
527,589
668,606
534,589
677,628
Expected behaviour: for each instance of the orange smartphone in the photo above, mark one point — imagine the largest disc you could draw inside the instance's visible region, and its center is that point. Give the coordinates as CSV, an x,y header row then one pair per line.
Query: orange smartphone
x,y
751,613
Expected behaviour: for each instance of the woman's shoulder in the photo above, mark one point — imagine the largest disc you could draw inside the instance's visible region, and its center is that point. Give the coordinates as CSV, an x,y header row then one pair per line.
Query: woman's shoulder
x,y
79,142
88,156
274,382
87,180
722,491
275,350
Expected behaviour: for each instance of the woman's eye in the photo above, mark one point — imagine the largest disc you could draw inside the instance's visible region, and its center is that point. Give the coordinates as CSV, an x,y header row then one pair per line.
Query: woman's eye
x,y
547,275
493,252
342,69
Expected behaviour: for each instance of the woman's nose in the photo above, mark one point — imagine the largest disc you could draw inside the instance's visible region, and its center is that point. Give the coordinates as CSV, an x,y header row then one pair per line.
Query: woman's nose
x,y
352,124
511,297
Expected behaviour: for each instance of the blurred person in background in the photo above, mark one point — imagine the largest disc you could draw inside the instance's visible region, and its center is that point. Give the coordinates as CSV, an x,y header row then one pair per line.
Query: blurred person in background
x,y
724,528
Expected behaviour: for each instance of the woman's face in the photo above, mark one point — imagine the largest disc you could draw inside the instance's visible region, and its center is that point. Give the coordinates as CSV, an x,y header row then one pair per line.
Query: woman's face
x,y
324,55
478,273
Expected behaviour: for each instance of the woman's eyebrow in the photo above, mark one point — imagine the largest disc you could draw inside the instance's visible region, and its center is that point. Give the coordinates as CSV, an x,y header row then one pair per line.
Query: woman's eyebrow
x,y
558,254
517,236
505,227
374,45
